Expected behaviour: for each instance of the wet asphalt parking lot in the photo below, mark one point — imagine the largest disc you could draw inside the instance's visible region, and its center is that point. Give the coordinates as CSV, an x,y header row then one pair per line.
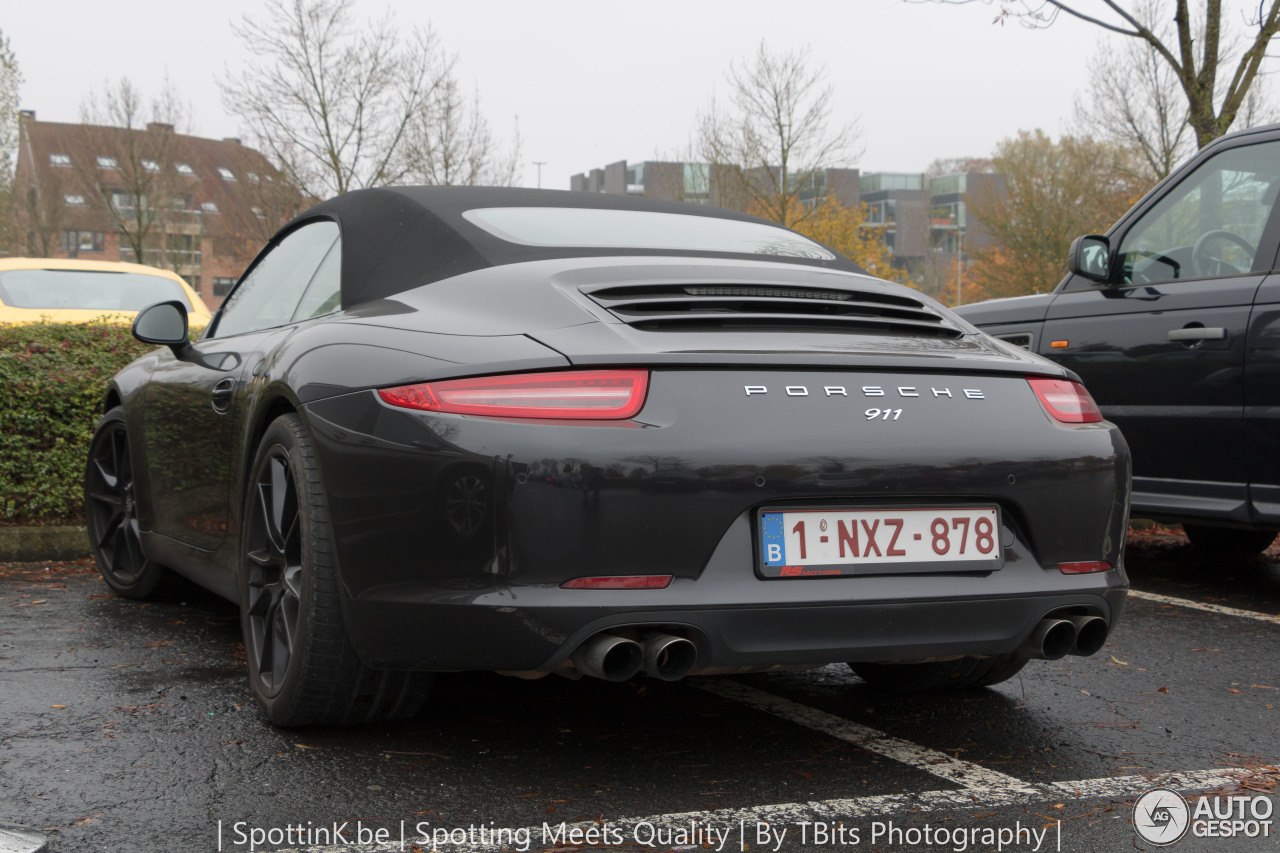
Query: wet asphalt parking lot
x,y
130,727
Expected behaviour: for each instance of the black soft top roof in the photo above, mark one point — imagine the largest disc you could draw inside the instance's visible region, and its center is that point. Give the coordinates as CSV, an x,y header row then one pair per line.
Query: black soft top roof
x,y
397,238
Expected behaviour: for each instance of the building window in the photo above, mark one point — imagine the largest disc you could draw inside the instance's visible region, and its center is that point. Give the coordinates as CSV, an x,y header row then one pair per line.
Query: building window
x,y
74,242
209,207
253,178
183,249
227,174
74,200
697,182
107,163
222,286
59,159
151,165
121,200
184,169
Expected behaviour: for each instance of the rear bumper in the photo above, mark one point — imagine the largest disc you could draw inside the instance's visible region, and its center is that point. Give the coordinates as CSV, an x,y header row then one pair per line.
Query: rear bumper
x,y
734,618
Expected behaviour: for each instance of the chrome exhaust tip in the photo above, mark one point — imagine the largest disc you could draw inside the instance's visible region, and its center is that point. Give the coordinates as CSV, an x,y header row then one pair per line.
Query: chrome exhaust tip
x,y
1091,635
668,657
609,657
1052,639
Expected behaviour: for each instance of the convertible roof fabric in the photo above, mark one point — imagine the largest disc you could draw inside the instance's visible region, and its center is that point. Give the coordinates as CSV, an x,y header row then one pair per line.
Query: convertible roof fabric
x,y
397,238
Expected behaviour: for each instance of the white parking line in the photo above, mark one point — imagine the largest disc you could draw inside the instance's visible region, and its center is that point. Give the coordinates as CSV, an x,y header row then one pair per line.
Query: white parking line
x,y
829,811
979,787
963,773
1200,605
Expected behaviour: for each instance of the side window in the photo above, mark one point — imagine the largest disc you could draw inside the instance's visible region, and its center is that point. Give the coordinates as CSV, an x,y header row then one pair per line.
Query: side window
x,y
324,294
1209,225
270,294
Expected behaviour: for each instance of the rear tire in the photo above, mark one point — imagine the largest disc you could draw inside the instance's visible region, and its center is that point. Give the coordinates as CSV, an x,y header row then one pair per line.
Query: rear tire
x,y
1228,541
962,674
302,665
111,513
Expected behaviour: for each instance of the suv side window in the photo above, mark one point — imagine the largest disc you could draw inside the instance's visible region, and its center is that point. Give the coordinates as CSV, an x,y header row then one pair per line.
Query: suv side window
x,y
1211,224
270,293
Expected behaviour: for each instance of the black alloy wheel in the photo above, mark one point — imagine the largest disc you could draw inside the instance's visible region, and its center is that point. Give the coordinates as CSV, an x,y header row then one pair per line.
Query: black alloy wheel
x,y
111,512
303,667
273,555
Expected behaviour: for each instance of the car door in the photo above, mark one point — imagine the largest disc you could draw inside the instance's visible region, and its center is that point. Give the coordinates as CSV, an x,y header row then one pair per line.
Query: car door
x,y
1262,403
1162,347
195,404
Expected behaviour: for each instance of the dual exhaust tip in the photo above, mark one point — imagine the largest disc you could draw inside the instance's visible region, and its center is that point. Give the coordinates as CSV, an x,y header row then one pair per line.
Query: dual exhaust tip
x,y
616,658
1057,637
670,658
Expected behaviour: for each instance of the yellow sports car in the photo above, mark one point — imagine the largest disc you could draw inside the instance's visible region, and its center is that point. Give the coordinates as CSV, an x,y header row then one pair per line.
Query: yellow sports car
x,y
61,290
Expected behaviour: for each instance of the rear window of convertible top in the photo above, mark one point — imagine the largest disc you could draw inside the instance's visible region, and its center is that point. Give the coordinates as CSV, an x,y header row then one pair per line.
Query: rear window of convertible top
x,y
640,229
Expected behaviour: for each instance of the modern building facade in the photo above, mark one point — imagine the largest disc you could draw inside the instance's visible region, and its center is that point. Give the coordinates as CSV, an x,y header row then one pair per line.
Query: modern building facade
x,y
200,207
703,183
924,219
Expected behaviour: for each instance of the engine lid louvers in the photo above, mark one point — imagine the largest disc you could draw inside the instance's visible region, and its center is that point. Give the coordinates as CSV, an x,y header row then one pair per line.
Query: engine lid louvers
x,y
776,307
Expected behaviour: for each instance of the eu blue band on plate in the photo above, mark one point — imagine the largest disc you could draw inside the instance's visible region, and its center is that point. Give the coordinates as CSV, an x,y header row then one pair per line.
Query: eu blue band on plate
x,y
772,545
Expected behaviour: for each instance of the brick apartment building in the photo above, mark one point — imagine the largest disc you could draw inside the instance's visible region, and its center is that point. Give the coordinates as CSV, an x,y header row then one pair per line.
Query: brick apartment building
x,y
200,207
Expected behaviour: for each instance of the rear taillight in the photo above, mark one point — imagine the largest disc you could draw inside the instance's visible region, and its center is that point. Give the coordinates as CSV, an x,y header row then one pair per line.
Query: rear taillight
x,y
1065,400
570,394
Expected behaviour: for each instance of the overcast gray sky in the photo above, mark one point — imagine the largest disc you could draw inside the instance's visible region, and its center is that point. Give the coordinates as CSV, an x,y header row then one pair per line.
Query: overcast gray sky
x,y
595,81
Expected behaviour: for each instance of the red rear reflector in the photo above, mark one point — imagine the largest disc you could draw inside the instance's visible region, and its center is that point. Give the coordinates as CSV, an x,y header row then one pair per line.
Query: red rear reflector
x,y
1084,568
623,582
574,394
1066,401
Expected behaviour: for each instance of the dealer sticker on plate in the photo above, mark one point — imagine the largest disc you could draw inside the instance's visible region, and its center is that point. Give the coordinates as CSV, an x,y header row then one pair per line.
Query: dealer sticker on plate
x,y
821,542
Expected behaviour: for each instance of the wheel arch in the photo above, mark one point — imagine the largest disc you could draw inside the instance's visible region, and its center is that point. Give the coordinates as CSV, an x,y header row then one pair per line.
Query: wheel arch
x,y
268,409
112,399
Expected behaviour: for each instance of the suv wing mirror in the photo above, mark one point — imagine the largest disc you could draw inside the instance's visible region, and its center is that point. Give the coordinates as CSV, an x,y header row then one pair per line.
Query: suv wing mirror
x,y
1090,257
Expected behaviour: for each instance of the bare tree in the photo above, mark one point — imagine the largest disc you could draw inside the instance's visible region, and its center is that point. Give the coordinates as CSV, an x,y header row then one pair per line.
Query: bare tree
x,y
451,144
1196,51
10,80
330,103
1134,99
126,157
340,107
768,144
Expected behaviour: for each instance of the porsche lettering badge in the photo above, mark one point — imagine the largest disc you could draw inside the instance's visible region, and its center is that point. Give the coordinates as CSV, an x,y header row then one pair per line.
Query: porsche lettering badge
x,y
869,391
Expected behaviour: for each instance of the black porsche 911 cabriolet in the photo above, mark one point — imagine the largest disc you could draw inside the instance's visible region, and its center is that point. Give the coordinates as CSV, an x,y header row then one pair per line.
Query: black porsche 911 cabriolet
x,y
535,431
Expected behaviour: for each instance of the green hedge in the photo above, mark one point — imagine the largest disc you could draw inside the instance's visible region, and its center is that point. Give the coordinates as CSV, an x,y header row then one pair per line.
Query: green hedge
x,y
54,377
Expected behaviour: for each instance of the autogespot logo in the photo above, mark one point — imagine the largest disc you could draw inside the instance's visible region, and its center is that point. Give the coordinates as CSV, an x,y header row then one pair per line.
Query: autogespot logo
x,y
1161,816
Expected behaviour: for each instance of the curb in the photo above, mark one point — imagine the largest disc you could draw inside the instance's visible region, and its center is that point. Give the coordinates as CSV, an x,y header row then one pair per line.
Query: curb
x,y
43,544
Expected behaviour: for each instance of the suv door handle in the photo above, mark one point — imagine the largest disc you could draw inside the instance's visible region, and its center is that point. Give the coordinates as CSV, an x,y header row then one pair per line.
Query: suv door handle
x,y
1198,333
222,393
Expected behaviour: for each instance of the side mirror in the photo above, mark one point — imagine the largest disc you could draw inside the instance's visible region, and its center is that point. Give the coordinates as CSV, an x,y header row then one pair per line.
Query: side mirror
x,y
164,324
1090,257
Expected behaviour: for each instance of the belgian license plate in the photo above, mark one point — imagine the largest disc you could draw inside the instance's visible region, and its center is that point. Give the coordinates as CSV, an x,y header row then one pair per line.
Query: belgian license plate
x,y
808,543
